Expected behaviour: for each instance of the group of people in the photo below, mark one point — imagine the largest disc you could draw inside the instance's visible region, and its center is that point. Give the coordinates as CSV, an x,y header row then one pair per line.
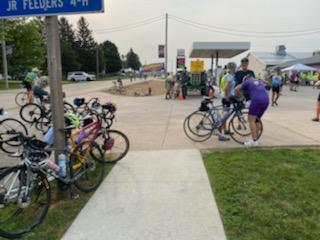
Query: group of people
x,y
35,84
241,82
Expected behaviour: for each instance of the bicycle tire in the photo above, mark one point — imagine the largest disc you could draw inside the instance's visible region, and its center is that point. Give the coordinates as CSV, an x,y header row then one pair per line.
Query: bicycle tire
x,y
8,128
31,113
235,132
21,99
23,214
114,144
81,164
193,135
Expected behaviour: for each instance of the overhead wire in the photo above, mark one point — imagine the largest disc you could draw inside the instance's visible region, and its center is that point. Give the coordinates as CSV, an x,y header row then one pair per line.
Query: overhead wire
x,y
212,29
247,31
129,26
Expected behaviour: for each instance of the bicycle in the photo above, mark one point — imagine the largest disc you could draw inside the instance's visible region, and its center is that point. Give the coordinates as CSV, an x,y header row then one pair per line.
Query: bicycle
x,y
114,144
22,98
25,192
209,120
39,115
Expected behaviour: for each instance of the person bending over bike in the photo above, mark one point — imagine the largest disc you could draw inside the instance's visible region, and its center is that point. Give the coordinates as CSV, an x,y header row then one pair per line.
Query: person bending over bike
x,y
38,90
259,104
29,82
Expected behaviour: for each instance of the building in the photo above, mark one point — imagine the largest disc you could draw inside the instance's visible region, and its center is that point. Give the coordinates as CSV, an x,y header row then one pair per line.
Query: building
x,y
313,61
259,61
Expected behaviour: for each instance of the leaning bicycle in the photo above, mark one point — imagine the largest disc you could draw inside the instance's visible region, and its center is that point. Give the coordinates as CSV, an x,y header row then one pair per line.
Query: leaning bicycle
x,y
209,120
25,192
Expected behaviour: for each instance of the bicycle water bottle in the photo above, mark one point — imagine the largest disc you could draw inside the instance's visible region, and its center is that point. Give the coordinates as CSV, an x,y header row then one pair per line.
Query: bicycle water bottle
x,y
51,165
62,165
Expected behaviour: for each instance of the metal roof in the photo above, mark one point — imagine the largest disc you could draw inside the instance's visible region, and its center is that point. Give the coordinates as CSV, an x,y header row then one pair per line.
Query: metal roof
x,y
272,59
306,61
224,49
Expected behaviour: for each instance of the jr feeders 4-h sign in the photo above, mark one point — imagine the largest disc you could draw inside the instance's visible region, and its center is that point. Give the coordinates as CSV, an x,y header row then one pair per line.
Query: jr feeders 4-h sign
x,y
21,8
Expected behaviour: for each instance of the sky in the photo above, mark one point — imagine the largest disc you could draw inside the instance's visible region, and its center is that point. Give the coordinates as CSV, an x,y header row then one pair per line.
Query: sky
x,y
242,15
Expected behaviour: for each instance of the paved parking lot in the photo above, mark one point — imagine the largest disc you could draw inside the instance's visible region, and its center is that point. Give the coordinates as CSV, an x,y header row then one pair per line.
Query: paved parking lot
x,y
153,123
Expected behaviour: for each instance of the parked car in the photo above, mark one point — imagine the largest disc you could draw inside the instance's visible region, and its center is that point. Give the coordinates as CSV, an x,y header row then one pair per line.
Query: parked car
x,y
80,76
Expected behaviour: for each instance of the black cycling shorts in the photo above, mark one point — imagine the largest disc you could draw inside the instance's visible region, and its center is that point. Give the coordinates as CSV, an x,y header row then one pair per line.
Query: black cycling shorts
x,y
319,98
276,89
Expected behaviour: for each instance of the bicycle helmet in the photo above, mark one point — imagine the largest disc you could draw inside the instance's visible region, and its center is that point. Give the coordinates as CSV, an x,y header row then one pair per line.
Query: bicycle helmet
x,y
35,70
44,80
111,107
72,119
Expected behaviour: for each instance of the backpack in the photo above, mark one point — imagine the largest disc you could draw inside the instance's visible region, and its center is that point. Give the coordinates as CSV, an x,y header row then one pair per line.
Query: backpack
x,y
276,81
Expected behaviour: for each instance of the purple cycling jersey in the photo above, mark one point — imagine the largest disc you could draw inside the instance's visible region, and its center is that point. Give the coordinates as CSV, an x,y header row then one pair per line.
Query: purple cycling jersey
x,y
255,89
258,95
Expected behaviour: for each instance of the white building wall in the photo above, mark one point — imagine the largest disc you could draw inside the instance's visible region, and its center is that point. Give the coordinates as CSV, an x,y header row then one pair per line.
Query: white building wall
x,y
256,65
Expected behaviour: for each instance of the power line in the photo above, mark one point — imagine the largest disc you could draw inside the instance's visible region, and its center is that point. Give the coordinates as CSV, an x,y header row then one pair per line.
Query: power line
x,y
146,21
246,31
211,29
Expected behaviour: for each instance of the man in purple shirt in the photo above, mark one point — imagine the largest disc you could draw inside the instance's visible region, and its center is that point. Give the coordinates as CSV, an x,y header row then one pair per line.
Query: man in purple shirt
x,y
259,104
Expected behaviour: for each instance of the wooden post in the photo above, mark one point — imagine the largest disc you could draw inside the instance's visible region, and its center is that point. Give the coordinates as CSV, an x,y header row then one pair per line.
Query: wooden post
x,y
55,79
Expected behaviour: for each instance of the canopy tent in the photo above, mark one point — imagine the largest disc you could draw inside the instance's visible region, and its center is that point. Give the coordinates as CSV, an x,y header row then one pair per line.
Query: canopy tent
x,y
218,50
299,68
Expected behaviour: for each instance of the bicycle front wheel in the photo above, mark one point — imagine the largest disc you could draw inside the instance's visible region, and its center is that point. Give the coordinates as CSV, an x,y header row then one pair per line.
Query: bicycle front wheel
x,y
198,126
8,130
114,144
23,206
87,169
21,99
31,113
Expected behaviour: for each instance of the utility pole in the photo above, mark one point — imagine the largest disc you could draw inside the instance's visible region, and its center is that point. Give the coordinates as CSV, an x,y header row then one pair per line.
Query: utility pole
x,y
55,75
97,62
166,52
4,56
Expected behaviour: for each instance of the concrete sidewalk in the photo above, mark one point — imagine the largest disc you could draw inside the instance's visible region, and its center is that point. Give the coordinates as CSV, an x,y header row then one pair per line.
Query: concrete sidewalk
x,y
152,195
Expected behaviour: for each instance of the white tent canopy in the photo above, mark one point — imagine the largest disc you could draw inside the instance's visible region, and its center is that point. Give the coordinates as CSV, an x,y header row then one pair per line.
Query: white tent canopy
x,y
299,68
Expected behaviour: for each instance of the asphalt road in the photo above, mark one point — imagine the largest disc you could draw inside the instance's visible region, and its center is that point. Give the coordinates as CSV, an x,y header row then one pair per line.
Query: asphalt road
x,y
153,123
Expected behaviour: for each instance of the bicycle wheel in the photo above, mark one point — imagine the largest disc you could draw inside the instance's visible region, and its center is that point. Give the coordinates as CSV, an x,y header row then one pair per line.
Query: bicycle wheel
x,y
198,126
31,113
8,129
21,99
86,168
114,144
240,128
23,206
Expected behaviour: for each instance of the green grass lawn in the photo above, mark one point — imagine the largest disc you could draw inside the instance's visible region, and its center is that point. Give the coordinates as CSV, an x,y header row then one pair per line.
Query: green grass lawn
x,y
267,194
12,85
61,215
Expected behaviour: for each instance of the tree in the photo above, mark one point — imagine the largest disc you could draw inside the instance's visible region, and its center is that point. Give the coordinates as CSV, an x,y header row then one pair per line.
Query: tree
x,y
133,60
113,61
27,41
86,46
69,57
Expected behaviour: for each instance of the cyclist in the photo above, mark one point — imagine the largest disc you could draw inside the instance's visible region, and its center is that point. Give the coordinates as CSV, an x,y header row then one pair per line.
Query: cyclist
x,y
38,90
243,72
29,82
228,91
276,83
259,104
316,119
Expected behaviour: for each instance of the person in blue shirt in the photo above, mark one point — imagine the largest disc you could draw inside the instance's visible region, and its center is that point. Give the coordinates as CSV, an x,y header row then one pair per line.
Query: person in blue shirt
x,y
276,83
38,90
